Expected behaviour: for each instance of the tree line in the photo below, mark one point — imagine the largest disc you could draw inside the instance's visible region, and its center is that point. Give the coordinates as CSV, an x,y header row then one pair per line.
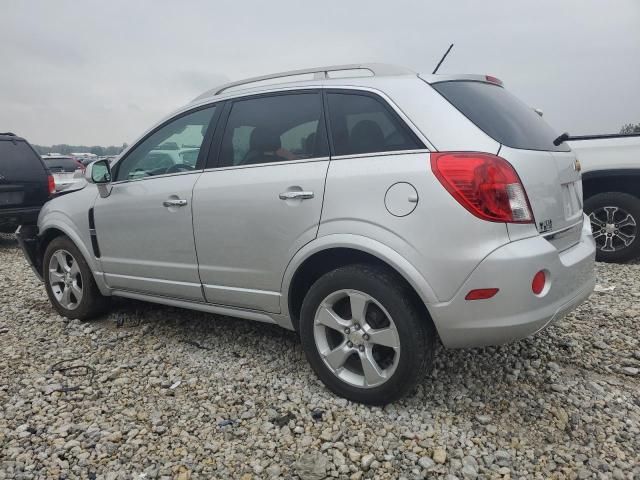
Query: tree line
x,y
65,149
630,128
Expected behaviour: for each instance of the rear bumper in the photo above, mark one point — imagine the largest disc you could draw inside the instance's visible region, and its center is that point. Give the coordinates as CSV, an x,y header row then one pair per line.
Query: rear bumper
x,y
27,236
12,217
515,312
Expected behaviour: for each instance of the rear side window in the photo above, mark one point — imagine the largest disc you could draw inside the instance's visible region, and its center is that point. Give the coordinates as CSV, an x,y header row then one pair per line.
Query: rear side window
x,y
500,115
61,164
274,129
363,124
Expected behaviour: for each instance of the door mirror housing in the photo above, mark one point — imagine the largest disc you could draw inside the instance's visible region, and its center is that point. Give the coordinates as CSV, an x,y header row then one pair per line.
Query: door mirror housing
x,y
99,172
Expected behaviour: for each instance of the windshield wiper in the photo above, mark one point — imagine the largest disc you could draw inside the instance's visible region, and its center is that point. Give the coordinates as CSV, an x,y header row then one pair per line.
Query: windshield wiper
x,y
561,139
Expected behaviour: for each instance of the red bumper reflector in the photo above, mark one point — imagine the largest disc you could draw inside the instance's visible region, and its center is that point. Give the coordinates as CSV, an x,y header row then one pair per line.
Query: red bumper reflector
x,y
481,293
539,280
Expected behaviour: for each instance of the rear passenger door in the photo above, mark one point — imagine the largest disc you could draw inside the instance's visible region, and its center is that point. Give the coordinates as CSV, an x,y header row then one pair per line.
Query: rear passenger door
x,y
259,201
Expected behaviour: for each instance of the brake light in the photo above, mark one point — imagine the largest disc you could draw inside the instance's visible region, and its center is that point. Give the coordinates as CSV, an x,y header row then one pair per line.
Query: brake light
x,y
492,79
52,184
485,184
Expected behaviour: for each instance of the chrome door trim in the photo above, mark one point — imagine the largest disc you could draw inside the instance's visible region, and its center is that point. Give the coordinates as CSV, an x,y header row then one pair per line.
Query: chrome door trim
x,y
240,289
153,280
381,154
164,175
256,165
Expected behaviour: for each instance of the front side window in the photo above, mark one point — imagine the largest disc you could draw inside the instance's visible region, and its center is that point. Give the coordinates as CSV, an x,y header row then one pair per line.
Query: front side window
x,y
363,124
274,129
172,148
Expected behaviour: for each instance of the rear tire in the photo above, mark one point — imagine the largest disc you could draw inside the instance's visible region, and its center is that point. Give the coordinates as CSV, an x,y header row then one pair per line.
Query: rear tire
x,y
372,357
69,281
615,220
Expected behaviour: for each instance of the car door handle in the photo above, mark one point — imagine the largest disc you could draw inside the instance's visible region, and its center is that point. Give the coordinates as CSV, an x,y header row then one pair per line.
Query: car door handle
x,y
174,203
295,194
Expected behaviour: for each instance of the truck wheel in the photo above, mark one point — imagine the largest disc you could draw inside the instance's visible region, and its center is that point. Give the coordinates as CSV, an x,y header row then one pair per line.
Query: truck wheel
x,y
615,220
69,282
364,335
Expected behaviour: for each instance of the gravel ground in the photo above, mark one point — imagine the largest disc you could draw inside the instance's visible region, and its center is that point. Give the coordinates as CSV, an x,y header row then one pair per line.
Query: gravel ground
x,y
167,393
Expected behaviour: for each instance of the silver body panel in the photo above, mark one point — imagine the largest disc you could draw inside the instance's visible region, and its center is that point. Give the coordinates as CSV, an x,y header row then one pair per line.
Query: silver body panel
x,y
145,246
245,234
235,247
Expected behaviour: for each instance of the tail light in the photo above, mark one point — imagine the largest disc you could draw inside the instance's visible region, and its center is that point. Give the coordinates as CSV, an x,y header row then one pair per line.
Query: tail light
x,y
484,184
492,79
52,184
80,166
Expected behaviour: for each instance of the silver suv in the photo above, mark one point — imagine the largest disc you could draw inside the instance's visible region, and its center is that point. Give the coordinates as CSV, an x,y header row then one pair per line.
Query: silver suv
x,y
371,209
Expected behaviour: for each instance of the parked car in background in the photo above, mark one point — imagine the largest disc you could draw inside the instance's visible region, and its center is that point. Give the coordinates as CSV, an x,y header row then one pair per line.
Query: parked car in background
x,y
84,157
25,183
611,185
67,172
372,214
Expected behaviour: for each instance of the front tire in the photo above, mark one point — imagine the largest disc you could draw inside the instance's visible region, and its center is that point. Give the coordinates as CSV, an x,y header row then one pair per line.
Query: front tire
x,y
69,281
364,334
615,220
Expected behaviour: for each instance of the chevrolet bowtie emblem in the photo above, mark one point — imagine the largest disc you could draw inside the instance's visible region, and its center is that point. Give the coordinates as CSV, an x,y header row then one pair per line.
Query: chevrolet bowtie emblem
x,y
576,165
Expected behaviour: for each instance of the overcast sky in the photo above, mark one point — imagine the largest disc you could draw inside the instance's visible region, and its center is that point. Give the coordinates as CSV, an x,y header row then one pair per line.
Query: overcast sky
x,y
102,72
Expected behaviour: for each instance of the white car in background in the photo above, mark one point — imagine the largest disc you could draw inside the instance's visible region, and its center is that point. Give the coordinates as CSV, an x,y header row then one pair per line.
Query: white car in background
x,y
611,183
67,172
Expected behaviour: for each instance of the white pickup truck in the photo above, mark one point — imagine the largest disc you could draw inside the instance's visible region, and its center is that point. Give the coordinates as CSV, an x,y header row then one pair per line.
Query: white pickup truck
x,y
611,185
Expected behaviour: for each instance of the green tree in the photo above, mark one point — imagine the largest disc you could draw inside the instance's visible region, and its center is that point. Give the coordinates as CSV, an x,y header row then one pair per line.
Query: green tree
x,y
630,128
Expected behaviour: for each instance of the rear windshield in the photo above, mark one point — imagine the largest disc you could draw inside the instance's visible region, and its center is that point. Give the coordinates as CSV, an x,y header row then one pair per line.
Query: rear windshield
x,y
18,160
500,115
66,164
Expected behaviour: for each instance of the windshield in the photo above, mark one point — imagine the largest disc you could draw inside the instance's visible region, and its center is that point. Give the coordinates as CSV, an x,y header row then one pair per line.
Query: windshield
x,y
500,115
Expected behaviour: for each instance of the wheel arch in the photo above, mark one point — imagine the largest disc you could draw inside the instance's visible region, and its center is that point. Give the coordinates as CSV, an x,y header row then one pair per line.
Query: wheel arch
x,y
613,180
325,254
53,229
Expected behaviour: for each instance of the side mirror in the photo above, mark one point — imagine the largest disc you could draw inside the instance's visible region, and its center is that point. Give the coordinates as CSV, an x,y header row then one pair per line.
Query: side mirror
x,y
99,172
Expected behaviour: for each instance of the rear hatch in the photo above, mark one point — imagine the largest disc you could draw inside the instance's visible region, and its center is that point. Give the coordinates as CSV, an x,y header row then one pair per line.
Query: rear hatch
x,y
549,173
63,170
61,164
23,177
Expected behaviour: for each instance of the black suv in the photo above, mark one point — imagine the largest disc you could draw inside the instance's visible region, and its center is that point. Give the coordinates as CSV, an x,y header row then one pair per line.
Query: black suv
x,y
25,183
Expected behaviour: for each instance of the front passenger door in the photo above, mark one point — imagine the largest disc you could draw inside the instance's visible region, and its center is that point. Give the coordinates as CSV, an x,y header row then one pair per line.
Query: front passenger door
x,y
144,227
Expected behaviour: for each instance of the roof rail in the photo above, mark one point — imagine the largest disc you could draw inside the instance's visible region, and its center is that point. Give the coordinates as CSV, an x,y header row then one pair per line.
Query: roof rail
x,y
377,69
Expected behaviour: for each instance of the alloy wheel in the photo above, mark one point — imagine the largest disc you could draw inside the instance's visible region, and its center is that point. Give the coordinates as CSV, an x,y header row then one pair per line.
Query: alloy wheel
x,y
614,229
65,279
357,339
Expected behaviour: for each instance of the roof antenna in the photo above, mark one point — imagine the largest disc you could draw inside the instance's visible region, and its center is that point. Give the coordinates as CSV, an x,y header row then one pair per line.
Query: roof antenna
x,y
442,59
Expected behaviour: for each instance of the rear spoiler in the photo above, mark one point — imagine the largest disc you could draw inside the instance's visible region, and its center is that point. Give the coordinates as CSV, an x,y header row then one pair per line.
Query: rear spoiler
x,y
596,137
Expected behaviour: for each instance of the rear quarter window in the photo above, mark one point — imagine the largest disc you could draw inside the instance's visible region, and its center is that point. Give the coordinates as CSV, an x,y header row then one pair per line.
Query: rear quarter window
x,y
500,115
